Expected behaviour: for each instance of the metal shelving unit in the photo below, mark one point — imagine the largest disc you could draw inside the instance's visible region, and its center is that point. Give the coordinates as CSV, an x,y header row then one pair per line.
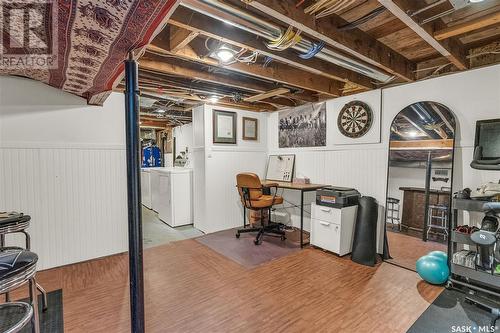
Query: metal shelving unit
x,y
469,277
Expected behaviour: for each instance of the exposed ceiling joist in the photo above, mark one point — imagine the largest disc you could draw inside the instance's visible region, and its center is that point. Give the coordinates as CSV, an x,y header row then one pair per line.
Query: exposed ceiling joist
x,y
209,27
268,94
146,123
422,144
175,67
418,126
354,42
274,72
450,49
179,38
224,101
465,27
155,63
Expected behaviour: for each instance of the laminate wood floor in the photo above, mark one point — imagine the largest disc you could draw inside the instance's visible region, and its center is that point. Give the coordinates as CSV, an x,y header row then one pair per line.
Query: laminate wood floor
x,y
190,288
406,250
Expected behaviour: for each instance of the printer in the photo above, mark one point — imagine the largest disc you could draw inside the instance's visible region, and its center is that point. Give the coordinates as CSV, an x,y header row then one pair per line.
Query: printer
x,y
337,197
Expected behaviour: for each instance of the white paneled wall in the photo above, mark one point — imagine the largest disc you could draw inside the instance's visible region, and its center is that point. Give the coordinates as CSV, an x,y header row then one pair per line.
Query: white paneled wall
x,y
63,163
223,203
183,138
216,202
470,95
75,196
362,169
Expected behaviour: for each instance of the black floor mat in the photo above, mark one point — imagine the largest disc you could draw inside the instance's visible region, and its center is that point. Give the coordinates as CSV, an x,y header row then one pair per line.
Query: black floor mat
x,y
51,321
451,313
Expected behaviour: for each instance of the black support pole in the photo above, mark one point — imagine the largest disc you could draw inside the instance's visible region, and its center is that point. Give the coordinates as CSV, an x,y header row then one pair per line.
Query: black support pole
x,y
133,196
428,173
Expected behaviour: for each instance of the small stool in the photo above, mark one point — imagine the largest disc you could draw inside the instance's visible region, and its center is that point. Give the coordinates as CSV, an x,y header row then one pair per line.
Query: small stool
x,y
392,212
24,312
18,223
17,267
438,219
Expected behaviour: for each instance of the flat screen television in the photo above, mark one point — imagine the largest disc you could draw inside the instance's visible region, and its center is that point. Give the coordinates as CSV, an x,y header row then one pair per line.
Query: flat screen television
x,y
488,137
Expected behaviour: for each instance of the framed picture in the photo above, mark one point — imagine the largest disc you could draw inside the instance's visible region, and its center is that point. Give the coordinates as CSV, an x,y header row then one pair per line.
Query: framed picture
x,y
303,126
224,125
250,128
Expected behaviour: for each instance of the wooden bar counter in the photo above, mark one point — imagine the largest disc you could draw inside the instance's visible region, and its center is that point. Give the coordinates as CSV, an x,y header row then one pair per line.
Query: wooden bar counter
x,y
414,206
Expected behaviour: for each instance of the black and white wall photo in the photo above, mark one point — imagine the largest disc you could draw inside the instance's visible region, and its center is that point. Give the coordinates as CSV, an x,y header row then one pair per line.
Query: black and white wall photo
x,y
303,126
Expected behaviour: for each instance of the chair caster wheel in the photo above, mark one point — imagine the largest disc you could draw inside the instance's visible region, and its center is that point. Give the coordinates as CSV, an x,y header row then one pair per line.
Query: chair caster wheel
x,y
449,285
237,235
283,238
256,242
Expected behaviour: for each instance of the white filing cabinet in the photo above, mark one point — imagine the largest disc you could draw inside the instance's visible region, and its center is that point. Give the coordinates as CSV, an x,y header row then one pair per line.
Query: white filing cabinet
x,y
332,229
174,200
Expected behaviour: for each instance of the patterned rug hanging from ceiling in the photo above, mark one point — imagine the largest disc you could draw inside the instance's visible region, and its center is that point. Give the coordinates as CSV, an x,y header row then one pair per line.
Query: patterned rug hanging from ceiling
x,y
90,40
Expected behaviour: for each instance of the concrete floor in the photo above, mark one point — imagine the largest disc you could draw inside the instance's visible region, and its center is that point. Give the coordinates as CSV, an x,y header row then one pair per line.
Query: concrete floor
x,y
155,232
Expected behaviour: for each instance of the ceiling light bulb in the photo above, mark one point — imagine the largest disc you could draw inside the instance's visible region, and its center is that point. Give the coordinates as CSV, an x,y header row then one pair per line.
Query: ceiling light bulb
x,y
224,54
161,111
475,1
213,99
412,134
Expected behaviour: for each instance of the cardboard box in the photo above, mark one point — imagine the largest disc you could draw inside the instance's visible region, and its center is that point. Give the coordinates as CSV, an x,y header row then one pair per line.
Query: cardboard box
x,y
254,217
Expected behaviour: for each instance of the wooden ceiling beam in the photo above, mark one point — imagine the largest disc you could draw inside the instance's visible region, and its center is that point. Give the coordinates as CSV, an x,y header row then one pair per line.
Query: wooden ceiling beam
x,y
225,101
268,94
180,37
451,49
212,28
146,123
354,42
190,53
275,72
156,64
421,144
468,26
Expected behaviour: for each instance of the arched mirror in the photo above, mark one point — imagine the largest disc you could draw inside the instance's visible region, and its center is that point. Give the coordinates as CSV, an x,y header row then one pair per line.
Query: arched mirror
x,y
419,182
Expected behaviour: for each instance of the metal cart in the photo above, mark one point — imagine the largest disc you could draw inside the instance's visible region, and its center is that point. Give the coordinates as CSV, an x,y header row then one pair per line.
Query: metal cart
x,y
475,279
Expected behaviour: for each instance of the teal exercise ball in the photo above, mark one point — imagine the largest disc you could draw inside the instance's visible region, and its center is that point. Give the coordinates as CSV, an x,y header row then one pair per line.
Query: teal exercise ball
x,y
439,254
433,269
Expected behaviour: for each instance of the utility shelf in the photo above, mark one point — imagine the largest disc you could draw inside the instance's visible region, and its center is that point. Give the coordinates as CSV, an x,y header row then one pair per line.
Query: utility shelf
x,y
476,275
461,238
468,204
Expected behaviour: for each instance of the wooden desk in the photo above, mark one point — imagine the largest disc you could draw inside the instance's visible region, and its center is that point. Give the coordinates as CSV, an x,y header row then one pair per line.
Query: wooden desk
x,y
297,187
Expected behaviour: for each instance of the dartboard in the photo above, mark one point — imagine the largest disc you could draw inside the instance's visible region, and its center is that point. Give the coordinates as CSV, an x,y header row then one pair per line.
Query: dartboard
x,y
355,119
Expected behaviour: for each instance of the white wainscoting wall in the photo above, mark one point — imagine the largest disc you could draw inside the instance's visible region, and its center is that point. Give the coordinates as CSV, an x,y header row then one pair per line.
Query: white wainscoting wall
x,y
216,200
470,95
63,163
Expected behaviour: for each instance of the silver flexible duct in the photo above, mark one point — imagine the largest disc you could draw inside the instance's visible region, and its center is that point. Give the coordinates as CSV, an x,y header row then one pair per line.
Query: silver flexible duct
x,y
270,31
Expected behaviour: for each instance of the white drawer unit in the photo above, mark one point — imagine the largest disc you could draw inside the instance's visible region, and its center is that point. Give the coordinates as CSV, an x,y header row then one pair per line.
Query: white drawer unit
x,y
332,229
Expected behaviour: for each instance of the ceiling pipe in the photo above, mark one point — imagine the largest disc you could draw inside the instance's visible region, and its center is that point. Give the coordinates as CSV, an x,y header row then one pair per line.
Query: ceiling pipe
x,y
432,5
269,31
